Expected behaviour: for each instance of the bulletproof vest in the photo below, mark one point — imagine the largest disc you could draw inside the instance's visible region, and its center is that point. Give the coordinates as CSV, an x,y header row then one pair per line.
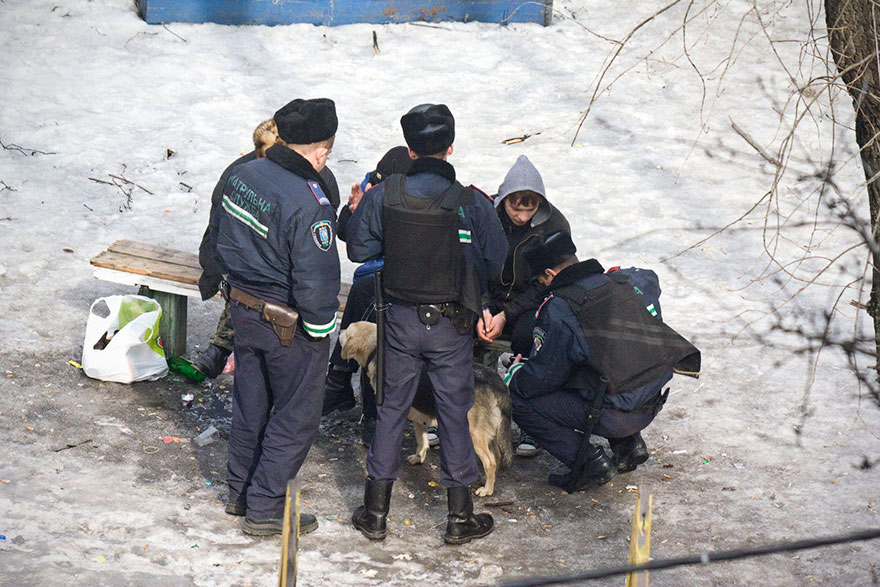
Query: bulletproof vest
x,y
424,262
626,343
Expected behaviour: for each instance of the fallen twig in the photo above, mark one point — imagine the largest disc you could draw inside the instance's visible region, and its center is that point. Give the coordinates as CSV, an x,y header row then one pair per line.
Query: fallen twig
x,y
187,186
499,504
164,26
754,144
6,186
120,178
69,445
25,150
375,42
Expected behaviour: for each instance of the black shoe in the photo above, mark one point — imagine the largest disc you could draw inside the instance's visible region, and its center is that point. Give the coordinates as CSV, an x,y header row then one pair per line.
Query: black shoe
x,y
462,525
368,431
338,392
307,523
237,505
598,469
629,452
212,361
370,518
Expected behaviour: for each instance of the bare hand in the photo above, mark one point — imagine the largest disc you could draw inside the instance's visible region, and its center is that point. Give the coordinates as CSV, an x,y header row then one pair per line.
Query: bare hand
x,y
483,324
356,195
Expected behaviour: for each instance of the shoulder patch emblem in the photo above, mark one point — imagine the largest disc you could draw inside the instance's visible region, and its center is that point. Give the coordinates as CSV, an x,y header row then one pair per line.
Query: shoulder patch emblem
x,y
538,339
322,234
319,193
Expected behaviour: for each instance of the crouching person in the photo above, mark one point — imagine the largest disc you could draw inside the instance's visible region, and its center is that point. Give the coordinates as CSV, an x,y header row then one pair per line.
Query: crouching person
x,y
600,358
275,242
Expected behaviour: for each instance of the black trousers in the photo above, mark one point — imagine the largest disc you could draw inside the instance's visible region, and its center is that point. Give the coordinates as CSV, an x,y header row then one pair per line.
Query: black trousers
x,y
361,305
447,355
276,409
556,422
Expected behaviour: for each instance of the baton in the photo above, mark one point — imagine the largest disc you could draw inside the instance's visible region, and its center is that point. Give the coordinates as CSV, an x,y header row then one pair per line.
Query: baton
x,y
381,306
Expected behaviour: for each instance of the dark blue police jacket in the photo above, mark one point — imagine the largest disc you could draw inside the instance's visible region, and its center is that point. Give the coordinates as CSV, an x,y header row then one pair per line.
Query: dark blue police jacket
x,y
276,237
484,243
559,345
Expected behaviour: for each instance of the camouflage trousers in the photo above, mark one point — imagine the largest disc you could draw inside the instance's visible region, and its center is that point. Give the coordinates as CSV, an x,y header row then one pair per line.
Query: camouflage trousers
x,y
224,334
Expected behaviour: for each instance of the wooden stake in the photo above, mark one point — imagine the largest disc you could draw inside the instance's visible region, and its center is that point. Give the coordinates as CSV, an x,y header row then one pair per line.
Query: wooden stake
x,y
290,535
640,540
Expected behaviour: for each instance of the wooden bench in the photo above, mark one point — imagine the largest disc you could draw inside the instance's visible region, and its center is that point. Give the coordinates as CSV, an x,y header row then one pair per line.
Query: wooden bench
x,y
168,276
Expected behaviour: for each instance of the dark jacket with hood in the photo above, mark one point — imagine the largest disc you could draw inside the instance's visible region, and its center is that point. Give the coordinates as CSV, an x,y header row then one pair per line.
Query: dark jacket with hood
x,y
514,289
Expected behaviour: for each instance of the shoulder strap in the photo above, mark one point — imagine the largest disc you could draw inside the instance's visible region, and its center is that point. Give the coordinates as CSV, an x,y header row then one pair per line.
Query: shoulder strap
x,y
394,190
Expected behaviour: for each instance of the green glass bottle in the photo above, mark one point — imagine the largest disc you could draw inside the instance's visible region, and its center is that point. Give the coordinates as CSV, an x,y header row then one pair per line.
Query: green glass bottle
x,y
183,367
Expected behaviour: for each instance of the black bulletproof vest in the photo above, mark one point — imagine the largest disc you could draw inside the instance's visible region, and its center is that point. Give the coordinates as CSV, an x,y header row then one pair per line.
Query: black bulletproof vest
x,y
424,262
627,344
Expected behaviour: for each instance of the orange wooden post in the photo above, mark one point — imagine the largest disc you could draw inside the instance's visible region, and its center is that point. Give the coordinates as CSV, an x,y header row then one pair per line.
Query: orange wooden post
x,y
640,540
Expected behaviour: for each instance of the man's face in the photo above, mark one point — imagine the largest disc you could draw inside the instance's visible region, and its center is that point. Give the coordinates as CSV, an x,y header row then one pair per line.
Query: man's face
x,y
518,213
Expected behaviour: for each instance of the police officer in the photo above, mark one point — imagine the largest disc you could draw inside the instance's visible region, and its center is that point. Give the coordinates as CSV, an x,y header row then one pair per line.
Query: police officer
x,y
275,241
213,359
598,345
440,240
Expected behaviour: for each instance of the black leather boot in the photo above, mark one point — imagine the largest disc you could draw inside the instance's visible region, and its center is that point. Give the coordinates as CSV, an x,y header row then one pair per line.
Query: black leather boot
x,y
462,525
370,518
338,392
212,361
598,469
629,452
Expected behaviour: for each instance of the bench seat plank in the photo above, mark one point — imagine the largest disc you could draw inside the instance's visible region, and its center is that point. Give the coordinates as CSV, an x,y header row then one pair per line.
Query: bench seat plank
x,y
156,253
150,267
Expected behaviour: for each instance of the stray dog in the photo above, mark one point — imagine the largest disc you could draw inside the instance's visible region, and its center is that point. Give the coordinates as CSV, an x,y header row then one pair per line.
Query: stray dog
x,y
266,135
488,418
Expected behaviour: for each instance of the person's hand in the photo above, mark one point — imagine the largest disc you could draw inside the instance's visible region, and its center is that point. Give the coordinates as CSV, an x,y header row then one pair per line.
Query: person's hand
x,y
483,324
356,195
517,359
492,325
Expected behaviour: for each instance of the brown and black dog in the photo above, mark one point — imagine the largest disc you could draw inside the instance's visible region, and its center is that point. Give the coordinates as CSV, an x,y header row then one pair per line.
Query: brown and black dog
x,y
488,418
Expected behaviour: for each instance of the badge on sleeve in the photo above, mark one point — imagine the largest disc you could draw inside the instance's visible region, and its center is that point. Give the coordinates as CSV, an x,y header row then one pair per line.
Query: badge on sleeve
x,y
322,234
319,193
537,339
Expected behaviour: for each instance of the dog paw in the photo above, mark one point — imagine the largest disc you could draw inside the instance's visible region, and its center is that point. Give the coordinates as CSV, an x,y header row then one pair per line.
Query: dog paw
x,y
483,491
415,459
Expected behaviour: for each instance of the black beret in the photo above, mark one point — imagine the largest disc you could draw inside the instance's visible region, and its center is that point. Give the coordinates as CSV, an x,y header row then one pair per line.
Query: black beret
x,y
428,128
302,122
394,161
550,251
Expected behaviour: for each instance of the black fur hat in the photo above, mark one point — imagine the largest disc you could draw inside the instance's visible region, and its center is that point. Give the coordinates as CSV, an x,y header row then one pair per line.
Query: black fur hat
x,y
428,128
394,161
550,251
302,122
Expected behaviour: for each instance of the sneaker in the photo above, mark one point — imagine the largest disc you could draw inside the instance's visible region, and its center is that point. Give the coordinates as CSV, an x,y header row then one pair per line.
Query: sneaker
x,y
433,438
307,523
527,446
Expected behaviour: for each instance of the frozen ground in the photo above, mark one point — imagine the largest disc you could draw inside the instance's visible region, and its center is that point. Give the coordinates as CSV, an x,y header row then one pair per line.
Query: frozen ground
x,y
762,449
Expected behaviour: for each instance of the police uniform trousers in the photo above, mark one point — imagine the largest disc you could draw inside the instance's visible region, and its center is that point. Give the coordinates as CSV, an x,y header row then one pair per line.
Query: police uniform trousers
x,y
448,358
556,421
276,409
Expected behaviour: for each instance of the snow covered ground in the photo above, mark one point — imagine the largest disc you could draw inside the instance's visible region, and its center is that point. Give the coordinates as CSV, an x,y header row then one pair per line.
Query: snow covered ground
x,y
764,448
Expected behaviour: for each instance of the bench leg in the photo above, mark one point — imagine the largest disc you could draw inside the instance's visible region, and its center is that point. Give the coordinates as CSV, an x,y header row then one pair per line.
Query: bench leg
x,y
172,326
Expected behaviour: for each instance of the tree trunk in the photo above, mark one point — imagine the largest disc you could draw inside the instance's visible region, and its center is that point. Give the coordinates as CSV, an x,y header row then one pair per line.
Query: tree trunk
x,y
854,41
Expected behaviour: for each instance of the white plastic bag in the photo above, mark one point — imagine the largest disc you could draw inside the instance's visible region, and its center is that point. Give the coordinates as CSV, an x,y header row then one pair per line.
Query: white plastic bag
x,y
125,346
